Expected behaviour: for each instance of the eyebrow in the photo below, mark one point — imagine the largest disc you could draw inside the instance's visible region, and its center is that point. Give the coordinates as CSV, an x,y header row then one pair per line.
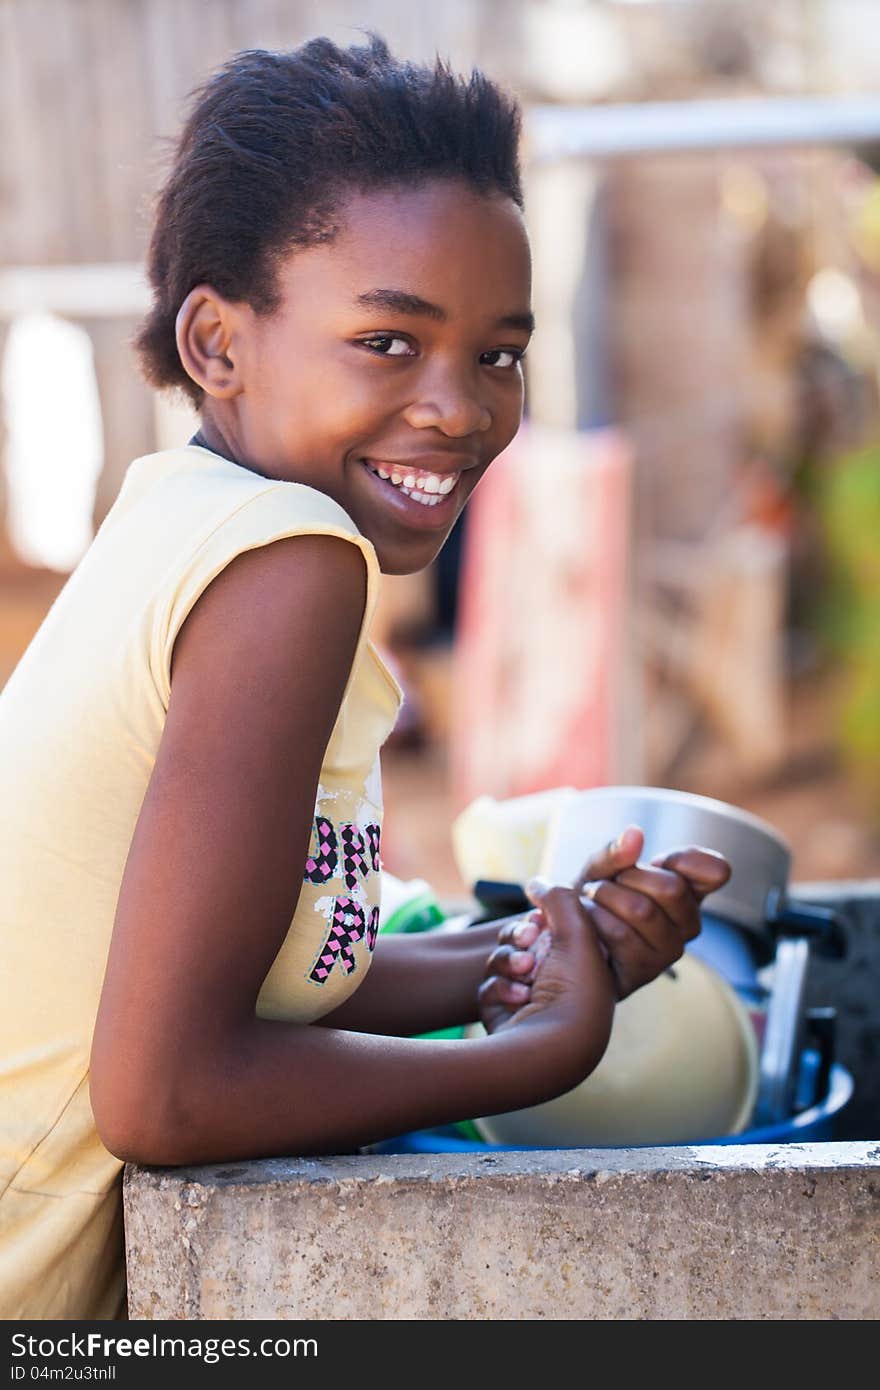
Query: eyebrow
x,y
402,302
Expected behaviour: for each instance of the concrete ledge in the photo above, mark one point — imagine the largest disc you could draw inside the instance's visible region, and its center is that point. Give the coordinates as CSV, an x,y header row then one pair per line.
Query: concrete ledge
x,y
715,1232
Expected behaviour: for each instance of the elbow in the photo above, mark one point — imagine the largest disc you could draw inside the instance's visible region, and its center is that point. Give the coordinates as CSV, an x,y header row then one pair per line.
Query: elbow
x,y
144,1150
133,1142
131,1125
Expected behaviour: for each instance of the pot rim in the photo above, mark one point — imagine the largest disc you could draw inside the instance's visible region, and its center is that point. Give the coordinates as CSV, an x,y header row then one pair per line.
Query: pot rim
x,y
696,801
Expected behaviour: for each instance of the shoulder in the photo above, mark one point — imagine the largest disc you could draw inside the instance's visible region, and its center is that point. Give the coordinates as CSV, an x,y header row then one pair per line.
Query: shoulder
x,y
270,605
206,520
238,486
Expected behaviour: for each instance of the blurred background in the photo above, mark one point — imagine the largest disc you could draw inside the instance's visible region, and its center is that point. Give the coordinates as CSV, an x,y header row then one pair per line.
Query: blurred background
x,y
672,577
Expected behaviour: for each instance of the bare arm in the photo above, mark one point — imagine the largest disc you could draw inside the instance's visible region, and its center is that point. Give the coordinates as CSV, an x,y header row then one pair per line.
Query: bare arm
x,y
182,1068
418,983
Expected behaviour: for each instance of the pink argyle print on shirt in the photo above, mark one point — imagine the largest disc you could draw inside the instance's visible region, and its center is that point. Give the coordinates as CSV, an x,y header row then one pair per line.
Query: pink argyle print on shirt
x,y
354,855
372,834
348,924
323,856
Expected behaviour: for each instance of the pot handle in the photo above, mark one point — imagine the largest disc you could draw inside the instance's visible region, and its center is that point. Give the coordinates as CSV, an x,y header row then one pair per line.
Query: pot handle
x,y
824,927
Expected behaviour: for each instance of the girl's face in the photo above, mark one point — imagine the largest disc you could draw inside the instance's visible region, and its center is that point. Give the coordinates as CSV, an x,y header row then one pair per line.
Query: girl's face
x,y
389,378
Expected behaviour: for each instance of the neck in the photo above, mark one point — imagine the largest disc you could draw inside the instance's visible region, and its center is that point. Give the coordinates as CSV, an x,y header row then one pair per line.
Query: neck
x,y
208,438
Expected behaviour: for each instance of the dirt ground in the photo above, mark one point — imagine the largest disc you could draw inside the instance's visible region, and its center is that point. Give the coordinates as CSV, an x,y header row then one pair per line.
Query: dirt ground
x,y
811,800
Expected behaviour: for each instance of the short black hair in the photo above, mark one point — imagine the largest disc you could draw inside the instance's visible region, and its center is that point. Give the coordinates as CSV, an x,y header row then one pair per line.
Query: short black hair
x,y
274,141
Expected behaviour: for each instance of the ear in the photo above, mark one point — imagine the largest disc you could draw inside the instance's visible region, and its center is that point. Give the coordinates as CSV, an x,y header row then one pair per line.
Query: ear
x,y
205,332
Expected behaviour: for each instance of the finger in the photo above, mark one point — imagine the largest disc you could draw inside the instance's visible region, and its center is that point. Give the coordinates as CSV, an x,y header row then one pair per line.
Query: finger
x,y
498,992
561,910
671,892
619,854
643,915
507,960
537,888
542,947
705,869
565,919
522,932
631,959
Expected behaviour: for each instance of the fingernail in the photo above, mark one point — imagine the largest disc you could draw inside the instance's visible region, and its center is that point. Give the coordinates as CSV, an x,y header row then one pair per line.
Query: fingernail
x,y
520,933
537,887
618,843
520,991
520,959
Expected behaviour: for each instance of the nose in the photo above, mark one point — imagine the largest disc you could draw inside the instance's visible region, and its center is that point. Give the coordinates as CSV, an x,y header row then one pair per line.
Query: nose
x,y
449,401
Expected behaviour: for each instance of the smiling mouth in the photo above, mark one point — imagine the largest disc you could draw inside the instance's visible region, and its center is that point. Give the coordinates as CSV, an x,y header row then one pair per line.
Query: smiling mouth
x,y
423,486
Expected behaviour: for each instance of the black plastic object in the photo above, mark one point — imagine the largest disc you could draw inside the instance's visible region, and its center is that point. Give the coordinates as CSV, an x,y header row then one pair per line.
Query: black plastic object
x,y
822,926
821,1028
500,899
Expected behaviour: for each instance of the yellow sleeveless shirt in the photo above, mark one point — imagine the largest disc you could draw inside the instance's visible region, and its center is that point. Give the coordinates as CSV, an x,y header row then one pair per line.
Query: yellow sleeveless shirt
x,y
81,718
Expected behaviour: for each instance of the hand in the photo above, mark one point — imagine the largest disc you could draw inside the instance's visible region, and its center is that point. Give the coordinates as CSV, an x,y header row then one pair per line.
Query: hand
x,y
511,967
549,968
644,916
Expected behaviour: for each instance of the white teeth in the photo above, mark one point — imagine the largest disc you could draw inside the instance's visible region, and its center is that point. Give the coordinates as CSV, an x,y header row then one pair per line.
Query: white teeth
x,y
421,497
427,488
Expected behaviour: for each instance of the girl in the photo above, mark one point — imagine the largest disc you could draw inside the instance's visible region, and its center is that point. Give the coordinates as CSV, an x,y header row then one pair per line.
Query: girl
x,y
191,796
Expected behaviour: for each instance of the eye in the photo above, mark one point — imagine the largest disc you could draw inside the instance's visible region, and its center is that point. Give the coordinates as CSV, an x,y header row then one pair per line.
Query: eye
x,y
388,345
505,358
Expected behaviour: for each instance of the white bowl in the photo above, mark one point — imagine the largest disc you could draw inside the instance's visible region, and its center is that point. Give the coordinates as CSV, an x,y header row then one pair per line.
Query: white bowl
x,y
682,1065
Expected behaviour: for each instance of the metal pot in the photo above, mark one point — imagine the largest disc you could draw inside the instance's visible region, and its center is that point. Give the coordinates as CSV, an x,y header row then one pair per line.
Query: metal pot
x,y
749,923
756,895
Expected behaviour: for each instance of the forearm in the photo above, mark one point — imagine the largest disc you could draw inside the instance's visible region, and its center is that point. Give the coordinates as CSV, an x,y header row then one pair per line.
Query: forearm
x,y
281,1089
419,983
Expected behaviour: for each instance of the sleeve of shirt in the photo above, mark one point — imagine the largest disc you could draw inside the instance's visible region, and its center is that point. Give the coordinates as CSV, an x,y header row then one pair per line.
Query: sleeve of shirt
x,y
279,510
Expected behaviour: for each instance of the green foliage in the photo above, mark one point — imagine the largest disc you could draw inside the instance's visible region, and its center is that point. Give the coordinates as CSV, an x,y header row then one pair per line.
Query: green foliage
x,y
850,617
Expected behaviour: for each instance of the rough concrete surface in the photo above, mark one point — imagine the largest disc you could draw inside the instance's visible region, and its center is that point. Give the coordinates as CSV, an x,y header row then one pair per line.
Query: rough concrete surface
x,y
729,1232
